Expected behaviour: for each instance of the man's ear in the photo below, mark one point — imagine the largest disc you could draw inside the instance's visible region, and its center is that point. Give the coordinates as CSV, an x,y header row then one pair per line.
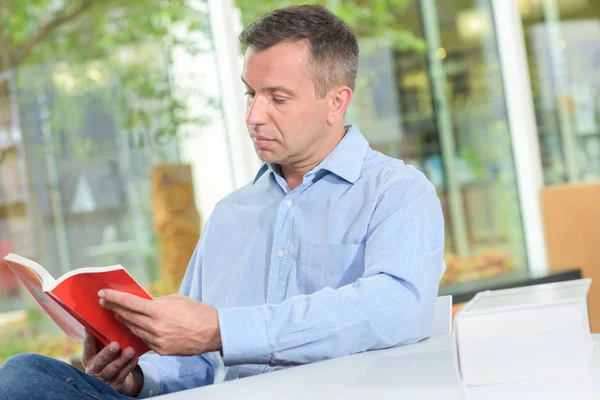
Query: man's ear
x,y
339,100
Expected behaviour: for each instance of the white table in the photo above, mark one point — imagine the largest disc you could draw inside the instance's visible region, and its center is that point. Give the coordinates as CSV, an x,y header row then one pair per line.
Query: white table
x,y
425,370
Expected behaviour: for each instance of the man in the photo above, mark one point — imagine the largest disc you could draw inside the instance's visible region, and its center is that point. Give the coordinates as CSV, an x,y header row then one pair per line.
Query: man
x,y
333,249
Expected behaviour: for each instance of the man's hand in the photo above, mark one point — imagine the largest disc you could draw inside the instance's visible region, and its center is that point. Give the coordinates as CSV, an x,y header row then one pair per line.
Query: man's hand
x,y
170,325
112,366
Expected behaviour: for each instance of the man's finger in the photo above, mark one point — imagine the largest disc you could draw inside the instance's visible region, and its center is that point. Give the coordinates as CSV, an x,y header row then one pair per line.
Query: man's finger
x,y
148,337
89,348
124,372
110,372
126,315
104,356
126,300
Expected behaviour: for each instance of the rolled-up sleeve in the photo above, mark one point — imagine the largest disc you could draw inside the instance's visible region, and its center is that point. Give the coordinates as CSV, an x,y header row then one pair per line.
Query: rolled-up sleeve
x,y
391,303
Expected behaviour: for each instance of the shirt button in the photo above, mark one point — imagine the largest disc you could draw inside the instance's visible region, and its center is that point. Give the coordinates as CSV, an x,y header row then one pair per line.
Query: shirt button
x,y
288,203
280,253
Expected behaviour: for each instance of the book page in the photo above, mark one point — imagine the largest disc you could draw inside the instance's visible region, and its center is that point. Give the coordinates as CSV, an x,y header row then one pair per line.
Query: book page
x,y
16,261
87,270
33,283
537,295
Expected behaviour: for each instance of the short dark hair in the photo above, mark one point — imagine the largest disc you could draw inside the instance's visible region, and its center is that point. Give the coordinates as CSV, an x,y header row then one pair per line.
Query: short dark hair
x,y
333,53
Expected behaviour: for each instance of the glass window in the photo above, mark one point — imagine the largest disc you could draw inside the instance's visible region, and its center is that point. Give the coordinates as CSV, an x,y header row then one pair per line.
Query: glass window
x,y
103,107
430,92
563,51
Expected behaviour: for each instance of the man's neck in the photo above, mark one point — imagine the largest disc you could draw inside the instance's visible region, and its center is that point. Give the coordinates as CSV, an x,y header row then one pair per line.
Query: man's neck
x,y
294,174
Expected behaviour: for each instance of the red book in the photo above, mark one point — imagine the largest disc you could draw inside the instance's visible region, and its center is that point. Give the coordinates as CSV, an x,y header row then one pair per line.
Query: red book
x,y
72,300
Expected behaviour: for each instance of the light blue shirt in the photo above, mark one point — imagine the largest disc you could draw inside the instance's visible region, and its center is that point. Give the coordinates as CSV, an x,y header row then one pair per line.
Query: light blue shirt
x,y
346,262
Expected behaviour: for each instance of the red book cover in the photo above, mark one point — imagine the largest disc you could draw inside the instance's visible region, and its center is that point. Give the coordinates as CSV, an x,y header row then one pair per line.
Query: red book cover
x,y
72,300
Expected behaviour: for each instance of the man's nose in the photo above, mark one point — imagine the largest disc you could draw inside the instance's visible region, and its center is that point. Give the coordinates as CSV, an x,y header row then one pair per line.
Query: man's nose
x,y
256,111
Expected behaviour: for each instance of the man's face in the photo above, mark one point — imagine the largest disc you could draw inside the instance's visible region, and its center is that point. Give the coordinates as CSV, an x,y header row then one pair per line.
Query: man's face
x,y
286,121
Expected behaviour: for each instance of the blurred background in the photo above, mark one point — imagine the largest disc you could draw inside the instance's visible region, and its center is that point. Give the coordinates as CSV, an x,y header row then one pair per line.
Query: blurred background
x,y
122,124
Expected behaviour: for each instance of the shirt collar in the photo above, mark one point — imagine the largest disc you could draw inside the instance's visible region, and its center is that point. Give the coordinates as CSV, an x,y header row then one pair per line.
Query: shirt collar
x,y
274,168
345,160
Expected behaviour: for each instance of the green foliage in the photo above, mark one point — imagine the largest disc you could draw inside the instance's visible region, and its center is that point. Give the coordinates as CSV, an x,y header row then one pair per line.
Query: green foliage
x,y
37,334
35,31
368,18
118,50
12,342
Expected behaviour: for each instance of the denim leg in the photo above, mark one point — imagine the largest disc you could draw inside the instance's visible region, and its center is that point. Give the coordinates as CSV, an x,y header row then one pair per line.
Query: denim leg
x,y
33,376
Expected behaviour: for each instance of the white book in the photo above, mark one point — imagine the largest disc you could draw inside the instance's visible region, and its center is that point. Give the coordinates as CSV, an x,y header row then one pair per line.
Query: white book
x,y
524,333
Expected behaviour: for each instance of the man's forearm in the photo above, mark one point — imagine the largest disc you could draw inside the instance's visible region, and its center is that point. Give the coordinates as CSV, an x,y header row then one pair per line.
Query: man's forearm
x,y
379,312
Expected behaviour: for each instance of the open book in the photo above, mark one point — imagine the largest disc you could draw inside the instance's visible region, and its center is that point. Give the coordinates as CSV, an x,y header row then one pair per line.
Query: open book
x,y
72,300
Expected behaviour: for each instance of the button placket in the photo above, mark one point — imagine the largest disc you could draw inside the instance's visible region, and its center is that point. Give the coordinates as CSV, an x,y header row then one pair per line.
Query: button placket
x,y
280,238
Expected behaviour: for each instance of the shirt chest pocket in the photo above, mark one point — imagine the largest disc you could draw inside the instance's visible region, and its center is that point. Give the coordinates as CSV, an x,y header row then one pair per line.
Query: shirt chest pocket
x,y
329,265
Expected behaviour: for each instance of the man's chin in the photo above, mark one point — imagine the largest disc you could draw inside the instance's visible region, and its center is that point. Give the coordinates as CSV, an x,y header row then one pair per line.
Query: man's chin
x,y
268,156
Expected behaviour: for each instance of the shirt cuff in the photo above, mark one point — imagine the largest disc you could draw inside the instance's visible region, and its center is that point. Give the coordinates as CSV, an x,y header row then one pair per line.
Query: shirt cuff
x,y
244,335
151,385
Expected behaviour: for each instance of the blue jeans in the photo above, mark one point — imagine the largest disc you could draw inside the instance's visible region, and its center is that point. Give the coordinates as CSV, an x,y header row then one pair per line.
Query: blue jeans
x,y
32,376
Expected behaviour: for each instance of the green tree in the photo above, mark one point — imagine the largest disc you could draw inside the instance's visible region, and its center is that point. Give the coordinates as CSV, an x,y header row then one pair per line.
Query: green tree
x,y
368,18
33,31
83,42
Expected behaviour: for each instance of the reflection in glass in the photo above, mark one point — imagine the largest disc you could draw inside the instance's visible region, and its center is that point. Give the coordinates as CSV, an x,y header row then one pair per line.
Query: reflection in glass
x,y
563,50
442,110
90,102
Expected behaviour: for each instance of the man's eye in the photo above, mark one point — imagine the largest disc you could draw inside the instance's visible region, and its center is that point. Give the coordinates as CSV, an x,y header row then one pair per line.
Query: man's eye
x,y
250,94
278,100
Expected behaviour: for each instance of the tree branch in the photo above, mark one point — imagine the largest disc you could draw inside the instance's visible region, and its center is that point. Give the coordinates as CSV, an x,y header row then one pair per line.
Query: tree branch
x,y
5,42
59,19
